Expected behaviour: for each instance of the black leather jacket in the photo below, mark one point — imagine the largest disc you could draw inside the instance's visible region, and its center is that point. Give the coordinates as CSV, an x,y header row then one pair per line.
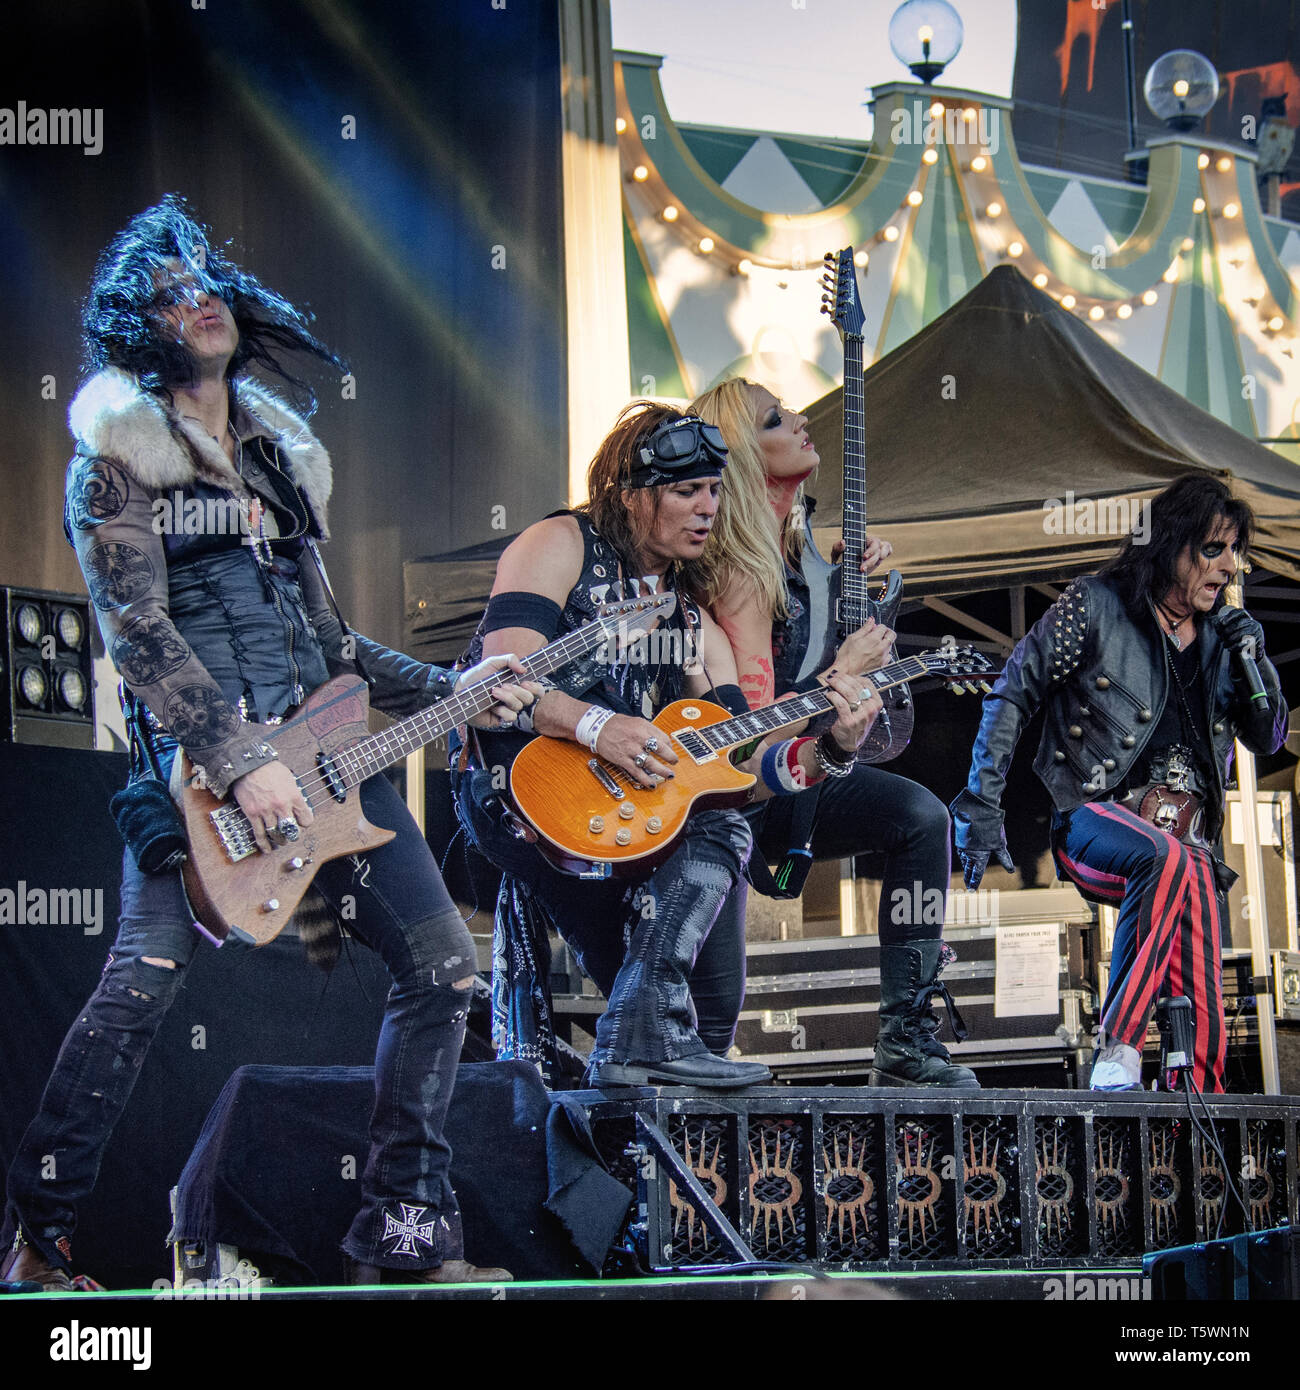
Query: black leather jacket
x,y
1104,682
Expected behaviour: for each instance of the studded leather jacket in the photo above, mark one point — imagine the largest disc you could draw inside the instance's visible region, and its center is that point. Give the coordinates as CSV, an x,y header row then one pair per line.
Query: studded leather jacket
x,y
1101,676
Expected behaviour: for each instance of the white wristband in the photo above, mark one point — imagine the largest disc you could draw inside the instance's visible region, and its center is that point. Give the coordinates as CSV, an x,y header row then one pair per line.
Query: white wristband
x,y
593,720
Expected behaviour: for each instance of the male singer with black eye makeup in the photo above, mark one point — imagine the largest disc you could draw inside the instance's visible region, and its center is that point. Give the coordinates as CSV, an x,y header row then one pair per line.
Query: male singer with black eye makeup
x,y
1147,679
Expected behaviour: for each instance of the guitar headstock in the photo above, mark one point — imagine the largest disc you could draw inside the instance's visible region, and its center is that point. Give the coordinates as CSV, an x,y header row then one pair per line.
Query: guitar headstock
x,y
840,300
634,617
962,669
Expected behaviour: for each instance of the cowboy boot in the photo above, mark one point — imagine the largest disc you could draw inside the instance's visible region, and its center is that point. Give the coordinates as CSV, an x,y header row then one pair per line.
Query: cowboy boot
x,y
908,1052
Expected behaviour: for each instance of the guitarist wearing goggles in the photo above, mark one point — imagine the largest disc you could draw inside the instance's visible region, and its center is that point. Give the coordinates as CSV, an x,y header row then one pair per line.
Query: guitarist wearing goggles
x,y
667,949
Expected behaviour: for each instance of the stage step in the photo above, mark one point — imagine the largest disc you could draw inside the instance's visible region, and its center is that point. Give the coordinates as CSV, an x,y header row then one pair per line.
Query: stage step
x,y
908,1180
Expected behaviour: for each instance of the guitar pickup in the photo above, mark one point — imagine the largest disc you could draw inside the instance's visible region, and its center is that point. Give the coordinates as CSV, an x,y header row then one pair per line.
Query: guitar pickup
x,y
603,777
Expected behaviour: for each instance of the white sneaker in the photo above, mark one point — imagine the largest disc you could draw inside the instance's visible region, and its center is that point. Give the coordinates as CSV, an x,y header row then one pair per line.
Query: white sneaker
x,y
1116,1067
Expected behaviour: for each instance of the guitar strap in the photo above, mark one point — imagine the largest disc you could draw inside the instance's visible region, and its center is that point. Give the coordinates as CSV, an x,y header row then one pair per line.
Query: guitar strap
x,y
329,592
792,872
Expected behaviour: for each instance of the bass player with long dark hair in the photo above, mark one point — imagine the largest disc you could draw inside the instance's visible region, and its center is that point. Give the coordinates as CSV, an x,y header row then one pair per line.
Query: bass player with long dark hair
x,y
195,500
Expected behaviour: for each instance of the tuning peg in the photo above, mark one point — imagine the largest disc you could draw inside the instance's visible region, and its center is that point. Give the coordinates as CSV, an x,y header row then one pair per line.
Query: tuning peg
x,y
985,687
971,687
829,258
956,687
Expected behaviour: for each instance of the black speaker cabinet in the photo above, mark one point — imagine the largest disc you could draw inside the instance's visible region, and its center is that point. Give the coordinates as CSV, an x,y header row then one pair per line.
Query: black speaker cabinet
x,y
48,682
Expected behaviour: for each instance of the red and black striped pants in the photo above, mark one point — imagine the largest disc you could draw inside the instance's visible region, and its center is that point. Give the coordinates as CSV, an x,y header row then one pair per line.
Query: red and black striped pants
x,y
1169,932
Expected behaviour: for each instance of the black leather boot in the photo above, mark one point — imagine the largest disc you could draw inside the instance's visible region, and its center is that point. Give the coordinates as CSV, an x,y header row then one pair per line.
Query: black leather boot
x,y
24,1264
908,1052
701,1069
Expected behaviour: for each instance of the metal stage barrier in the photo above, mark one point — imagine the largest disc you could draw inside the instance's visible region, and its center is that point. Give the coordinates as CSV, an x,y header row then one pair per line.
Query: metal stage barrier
x,y
872,1180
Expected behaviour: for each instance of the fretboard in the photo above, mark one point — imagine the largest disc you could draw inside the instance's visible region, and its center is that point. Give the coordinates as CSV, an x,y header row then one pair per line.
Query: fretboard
x,y
854,584
378,751
744,728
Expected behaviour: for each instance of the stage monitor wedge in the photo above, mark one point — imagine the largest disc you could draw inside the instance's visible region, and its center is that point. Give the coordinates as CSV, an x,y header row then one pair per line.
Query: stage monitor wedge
x,y
48,681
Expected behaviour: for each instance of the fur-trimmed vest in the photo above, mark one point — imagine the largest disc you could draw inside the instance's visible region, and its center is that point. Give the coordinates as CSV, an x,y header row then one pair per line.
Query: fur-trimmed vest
x,y
170,544
111,417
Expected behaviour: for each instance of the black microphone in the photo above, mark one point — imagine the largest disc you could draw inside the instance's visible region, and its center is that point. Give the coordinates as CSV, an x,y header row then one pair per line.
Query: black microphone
x,y
1248,667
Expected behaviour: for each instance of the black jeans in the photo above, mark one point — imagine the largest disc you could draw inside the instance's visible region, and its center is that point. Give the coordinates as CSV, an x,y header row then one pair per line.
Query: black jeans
x,y
898,823
395,902
648,945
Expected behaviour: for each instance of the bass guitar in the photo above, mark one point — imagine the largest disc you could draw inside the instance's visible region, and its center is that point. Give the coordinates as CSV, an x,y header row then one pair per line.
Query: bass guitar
x,y
593,821
236,890
839,595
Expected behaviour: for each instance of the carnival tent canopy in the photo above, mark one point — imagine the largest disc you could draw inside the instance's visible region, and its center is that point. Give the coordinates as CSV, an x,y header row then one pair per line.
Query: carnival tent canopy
x,y
1006,404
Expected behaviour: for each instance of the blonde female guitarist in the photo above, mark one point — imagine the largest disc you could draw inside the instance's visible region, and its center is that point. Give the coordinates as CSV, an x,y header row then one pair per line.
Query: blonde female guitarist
x,y
753,581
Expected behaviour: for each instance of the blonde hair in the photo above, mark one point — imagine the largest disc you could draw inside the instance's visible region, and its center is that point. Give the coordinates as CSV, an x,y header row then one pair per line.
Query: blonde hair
x,y
745,540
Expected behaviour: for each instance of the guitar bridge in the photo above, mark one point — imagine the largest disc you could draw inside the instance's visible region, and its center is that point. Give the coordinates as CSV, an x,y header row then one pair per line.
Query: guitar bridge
x,y
605,780
234,832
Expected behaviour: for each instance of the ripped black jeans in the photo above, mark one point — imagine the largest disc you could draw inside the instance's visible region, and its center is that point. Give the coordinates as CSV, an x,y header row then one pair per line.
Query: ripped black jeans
x,y
400,908
648,946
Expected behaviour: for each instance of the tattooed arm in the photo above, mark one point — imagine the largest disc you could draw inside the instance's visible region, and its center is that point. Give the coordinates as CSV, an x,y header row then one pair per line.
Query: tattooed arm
x,y
740,614
109,518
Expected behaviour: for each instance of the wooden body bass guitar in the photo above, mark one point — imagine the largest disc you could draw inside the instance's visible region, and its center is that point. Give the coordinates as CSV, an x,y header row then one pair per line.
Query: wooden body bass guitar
x,y
593,821
236,890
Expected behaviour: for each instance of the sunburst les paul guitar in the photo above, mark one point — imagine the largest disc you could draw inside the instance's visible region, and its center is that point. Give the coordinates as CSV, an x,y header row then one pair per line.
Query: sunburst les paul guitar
x,y
592,820
235,889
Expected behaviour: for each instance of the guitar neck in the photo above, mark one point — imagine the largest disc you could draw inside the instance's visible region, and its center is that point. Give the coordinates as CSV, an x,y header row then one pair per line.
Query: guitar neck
x,y
744,728
370,755
853,583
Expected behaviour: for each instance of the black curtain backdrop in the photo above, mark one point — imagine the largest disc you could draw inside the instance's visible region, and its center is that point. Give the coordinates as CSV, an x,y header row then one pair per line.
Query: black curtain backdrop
x,y
429,246
237,1006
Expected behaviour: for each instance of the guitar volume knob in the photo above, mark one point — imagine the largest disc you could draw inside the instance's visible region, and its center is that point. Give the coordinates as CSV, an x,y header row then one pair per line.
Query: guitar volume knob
x,y
296,862
596,824
623,836
654,825
626,811
271,905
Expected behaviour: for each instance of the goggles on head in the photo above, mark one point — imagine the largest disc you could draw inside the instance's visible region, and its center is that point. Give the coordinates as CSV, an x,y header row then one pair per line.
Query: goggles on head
x,y
679,450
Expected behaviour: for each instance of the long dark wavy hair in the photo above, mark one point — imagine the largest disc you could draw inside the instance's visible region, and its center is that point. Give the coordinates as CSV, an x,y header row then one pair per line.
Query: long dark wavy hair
x,y
120,317
1183,515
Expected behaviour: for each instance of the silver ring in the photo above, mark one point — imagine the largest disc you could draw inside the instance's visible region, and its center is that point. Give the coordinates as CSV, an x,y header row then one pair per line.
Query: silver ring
x,y
288,827
652,744
641,759
853,709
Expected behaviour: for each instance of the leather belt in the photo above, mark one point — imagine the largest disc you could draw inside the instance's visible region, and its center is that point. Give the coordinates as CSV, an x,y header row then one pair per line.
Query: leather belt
x,y
1172,800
